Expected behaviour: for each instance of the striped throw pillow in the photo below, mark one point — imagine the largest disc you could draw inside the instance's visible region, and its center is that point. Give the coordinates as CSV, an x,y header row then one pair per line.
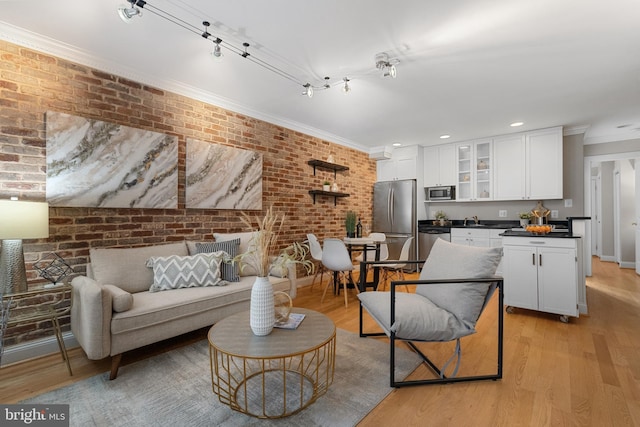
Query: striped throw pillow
x,y
176,271
230,269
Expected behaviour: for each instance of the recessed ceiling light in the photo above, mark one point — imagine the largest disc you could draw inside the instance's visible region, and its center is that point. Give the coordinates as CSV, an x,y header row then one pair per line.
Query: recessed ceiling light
x,y
445,136
397,144
516,124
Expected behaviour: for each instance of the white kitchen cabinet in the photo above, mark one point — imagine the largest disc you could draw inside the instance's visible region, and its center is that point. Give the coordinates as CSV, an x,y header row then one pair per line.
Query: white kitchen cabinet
x,y
541,273
440,165
471,236
405,163
474,171
528,165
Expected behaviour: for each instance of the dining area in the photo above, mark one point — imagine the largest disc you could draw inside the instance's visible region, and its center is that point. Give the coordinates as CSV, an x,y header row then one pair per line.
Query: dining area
x,y
344,258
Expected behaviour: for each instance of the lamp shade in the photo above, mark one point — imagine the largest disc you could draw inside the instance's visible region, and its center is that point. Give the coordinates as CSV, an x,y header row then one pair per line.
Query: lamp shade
x,y
23,220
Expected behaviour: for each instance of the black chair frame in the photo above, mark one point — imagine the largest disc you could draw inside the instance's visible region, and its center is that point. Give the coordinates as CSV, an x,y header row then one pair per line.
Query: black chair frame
x,y
497,283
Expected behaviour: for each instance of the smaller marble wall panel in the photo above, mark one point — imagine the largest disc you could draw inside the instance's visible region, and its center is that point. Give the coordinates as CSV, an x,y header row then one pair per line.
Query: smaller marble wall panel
x,y
91,163
222,177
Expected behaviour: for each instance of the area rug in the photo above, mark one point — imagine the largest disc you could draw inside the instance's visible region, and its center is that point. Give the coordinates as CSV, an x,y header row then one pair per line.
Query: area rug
x,y
174,389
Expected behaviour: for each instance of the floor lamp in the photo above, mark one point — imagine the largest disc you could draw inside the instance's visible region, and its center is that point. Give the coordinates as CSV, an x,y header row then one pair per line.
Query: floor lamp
x,y
19,220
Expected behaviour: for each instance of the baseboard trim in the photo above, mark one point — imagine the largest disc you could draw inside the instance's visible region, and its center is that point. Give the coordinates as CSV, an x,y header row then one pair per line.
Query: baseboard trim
x,y
628,264
608,258
37,348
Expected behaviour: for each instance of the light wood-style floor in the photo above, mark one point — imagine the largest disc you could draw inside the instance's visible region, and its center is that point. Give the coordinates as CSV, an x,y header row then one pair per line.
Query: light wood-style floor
x,y
585,373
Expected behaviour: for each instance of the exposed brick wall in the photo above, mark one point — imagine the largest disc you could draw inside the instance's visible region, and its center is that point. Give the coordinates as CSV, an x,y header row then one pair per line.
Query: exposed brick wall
x,y
32,83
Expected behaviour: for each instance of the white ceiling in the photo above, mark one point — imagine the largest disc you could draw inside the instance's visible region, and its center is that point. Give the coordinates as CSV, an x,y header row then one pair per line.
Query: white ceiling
x,y
467,68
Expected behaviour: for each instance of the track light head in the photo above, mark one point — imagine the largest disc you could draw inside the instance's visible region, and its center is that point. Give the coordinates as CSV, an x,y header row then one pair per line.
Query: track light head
x,y
346,88
391,72
217,50
127,12
308,90
384,64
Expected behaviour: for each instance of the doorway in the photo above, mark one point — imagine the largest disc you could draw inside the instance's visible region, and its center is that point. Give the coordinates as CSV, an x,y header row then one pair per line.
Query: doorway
x,y
610,199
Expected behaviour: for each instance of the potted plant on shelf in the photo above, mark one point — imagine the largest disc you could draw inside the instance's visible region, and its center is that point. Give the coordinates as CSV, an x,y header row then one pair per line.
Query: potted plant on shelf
x,y
263,256
350,223
441,217
326,186
524,218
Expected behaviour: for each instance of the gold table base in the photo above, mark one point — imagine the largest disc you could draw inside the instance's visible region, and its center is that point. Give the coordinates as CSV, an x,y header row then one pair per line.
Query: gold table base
x,y
270,385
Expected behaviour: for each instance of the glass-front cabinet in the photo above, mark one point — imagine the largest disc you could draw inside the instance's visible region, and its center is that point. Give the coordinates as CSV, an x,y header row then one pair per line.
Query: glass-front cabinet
x,y
474,171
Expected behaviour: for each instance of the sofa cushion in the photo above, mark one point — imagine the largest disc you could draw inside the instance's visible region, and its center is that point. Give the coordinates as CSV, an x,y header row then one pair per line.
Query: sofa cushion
x,y
229,268
246,244
453,261
151,309
175,271
126,267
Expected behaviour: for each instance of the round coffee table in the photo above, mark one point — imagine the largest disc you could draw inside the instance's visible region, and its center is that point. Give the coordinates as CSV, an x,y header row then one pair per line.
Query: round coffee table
x,y
273,376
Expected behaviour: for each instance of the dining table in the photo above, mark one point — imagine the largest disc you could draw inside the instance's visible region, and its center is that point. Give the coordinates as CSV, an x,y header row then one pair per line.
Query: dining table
x,y
364,245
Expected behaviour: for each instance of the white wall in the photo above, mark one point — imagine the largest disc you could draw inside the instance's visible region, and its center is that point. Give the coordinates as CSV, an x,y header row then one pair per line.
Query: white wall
x,y
627,212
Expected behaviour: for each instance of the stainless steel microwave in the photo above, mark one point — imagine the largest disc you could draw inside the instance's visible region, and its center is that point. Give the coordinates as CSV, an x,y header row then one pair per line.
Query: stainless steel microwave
x,y
441,193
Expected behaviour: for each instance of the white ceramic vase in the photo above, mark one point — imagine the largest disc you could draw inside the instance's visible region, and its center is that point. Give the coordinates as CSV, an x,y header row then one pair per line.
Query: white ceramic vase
x,y
262,310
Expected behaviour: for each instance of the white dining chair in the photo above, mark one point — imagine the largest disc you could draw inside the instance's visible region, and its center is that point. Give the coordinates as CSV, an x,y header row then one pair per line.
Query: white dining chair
x,y
397,269
316,254
371,253
336,258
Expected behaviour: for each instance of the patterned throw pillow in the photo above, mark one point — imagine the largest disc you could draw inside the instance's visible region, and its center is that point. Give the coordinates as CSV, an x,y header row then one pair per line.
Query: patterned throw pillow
x,y
230,269
173,272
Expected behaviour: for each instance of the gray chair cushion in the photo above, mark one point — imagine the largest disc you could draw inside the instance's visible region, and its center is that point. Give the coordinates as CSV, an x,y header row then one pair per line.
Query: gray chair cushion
x,y
452,261
417,318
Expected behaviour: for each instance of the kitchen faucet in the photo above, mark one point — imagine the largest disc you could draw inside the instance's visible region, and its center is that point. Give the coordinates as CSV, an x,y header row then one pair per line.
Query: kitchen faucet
x,y
475,219
465,221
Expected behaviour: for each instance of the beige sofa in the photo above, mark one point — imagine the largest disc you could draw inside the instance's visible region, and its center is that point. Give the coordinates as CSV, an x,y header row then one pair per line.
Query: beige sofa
x,y
114,310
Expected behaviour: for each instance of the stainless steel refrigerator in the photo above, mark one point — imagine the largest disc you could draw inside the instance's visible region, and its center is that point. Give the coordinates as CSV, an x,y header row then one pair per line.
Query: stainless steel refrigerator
x,y
394,214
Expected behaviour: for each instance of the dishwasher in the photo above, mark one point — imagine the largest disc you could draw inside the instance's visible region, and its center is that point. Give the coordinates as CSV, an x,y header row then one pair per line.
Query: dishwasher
x,y
427,235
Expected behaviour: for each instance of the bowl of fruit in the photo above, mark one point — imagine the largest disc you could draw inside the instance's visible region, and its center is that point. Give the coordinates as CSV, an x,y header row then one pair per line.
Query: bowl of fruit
x,y
539,229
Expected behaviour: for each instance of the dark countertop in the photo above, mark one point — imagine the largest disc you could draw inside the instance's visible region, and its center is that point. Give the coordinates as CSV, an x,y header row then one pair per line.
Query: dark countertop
x,y
554,234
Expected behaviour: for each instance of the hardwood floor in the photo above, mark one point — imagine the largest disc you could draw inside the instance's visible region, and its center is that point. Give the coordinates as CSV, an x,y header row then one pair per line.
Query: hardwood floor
x,y
584,373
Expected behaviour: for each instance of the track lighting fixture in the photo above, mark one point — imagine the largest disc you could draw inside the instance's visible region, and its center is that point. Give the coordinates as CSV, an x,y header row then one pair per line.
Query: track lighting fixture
x,y
391,71
217,51
134,8
126,13
346,88
384,64
308,90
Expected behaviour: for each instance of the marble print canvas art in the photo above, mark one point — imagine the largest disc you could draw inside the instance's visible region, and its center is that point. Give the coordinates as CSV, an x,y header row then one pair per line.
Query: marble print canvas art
x,y
222,177
91,163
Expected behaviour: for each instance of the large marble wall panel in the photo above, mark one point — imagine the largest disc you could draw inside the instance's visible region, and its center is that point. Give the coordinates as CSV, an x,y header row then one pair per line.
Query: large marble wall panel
x,y
91,163
222,177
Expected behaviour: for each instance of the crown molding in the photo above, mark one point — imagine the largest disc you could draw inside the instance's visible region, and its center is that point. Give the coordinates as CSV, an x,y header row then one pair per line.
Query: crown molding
x,y
574,130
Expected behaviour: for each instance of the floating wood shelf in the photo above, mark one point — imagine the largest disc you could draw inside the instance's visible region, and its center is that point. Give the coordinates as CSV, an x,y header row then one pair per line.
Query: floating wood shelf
x,y
333,194
320,164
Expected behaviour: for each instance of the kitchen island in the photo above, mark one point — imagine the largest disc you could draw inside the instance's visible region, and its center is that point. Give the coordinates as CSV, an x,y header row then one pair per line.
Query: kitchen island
x,y
544,272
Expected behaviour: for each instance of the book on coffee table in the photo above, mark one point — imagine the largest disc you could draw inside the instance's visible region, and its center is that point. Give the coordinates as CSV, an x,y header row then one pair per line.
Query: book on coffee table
x,y
292,323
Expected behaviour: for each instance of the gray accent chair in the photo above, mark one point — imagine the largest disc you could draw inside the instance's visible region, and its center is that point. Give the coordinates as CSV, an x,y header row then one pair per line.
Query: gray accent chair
x,y
456,284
